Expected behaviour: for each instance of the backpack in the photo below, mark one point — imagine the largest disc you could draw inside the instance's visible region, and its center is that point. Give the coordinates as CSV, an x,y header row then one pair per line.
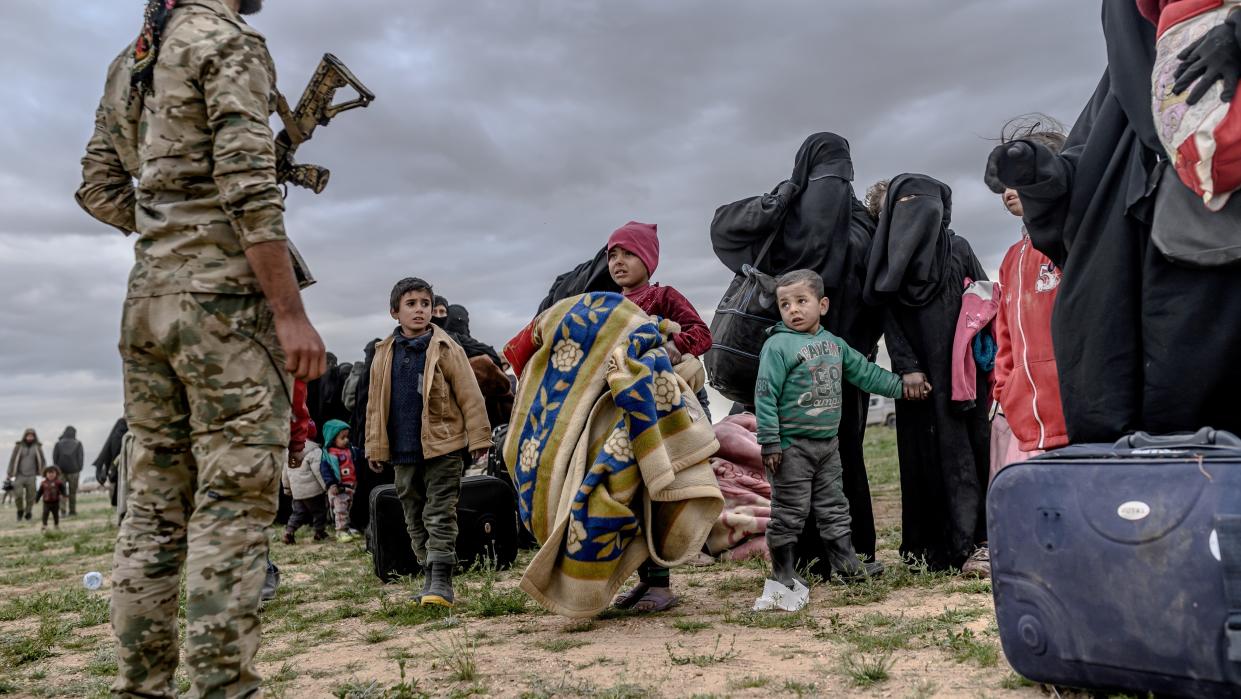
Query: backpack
x,y
739,329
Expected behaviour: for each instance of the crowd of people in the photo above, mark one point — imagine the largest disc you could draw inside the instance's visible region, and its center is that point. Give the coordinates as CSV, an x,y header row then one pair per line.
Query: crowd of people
x,y
1084,338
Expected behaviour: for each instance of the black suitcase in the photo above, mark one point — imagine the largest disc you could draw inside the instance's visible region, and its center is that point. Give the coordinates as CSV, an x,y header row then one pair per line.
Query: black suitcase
x,y
486,528
1119,566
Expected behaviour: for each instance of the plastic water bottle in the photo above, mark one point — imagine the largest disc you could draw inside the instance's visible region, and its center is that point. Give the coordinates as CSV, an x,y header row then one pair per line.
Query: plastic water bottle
x,y
92,580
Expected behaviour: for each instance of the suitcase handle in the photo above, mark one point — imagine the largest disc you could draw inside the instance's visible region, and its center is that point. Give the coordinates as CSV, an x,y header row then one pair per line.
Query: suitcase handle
x,y
1204,437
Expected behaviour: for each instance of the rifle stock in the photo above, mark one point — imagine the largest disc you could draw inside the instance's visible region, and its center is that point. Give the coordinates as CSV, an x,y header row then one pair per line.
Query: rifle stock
x,y
314,109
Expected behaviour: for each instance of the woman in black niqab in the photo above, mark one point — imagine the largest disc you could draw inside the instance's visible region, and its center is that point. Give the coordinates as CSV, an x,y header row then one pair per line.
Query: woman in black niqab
x,y
827,230
919,267
1127,323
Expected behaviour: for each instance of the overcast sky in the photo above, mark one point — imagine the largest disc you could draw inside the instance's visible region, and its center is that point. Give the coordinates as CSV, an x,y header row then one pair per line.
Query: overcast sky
x,y
508,139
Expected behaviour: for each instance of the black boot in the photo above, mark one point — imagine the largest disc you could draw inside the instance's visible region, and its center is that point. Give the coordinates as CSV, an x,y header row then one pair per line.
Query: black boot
x,y
270,583
783,568
845,562
439,592
426,585
20,514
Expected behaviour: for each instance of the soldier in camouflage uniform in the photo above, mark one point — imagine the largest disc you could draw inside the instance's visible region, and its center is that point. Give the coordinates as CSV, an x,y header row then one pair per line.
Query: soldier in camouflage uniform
x,y
212,328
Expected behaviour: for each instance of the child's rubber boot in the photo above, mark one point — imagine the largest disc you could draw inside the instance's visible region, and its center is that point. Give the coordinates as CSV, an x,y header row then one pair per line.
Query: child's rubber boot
x,y
426,585
845,562
783,567
288,537
321,535
440,591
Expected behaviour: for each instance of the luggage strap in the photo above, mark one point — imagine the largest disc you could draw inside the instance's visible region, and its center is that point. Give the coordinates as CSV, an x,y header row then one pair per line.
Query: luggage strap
x,y
1228,531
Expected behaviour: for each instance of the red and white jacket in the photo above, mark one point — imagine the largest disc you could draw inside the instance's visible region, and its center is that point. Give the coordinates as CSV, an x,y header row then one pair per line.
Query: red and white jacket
x,y
1027,385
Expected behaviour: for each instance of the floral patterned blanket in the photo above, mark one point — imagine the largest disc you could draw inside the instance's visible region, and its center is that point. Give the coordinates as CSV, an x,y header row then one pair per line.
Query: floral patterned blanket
x,y
608,449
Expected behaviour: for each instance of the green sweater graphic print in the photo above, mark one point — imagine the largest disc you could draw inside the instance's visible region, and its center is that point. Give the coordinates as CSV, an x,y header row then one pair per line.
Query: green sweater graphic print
x,y
798,393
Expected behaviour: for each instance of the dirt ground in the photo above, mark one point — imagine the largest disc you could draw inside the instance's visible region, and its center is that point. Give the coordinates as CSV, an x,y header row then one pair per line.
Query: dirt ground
x,y
334,630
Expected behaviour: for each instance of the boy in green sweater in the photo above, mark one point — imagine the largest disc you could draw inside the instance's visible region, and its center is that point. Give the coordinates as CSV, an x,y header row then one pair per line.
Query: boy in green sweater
x,y
798,401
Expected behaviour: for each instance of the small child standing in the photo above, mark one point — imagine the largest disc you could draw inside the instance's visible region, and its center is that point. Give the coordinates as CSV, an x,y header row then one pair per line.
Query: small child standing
x,y
424,408
633,255
51,490
798,404
303,481
339,477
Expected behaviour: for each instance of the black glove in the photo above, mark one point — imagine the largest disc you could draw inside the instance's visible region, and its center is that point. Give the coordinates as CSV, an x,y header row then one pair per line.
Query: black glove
x,y
1010,165
1215,56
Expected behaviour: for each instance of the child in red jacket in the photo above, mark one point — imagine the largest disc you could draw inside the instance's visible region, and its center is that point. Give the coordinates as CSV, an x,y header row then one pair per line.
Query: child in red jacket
x,y
1027,385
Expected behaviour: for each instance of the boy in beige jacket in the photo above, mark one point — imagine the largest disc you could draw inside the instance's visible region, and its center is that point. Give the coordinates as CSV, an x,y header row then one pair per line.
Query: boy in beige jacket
x,y
425,407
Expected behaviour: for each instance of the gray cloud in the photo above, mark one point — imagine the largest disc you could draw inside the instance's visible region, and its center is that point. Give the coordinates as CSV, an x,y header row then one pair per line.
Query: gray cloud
x,y
509,138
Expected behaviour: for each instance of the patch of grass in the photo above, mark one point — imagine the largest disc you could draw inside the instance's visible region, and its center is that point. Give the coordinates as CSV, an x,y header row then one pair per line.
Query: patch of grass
x,y
380,635
407,613
773,620
1014,681
73,600
966,647
624,691
458,656
750,682
924,689
471,691
979,586
690,626
489,602
866,670
541,688
801,689
740,583
581,626
615,613
23,649
560,645
102,664
713,657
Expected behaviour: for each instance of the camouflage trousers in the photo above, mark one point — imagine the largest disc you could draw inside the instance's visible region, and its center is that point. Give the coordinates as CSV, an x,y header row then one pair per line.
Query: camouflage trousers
x,y
207,400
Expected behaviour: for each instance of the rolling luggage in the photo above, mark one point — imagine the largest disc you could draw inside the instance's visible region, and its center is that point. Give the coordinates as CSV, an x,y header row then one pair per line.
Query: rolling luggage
x,y
1119,566
486,528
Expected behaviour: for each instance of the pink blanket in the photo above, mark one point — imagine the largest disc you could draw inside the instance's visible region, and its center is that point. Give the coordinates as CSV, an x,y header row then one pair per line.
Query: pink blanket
x,y
740,531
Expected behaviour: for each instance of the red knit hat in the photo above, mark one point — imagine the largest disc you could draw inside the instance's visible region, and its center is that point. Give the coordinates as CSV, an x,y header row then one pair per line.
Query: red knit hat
x,y
642,240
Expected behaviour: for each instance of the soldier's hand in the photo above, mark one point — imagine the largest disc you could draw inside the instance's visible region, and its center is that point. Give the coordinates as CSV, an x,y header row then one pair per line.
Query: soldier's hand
x,y
307,357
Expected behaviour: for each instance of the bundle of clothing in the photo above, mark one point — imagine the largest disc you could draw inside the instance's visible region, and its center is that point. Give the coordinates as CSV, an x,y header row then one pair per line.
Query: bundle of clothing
x,y
608,449
740,532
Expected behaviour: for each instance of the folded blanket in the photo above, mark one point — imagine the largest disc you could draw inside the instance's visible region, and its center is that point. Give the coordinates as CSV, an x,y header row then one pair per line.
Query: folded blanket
x,y
739,532
608,450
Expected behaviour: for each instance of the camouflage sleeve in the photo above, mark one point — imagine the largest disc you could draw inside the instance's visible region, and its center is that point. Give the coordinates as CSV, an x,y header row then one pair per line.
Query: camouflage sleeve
x,y
238,82
107,191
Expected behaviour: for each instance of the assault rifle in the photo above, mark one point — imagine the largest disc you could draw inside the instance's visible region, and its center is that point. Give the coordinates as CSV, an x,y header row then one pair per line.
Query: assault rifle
x,y
313,110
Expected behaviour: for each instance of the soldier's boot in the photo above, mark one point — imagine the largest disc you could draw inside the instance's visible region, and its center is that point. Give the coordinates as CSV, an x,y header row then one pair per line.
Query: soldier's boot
x,y
288,537
440,590
845,562
426,585
20,514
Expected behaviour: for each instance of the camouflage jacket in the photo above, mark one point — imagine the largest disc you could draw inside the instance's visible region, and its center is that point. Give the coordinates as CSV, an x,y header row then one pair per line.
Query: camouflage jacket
x,y
203,153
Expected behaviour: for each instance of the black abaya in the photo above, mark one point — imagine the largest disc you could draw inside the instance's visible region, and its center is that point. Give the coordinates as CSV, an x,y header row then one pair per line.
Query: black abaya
x,y
1141,343
943,446
828,230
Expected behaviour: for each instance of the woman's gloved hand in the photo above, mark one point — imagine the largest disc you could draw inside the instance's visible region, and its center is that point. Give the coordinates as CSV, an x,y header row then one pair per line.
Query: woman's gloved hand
x,y
1010,165
1214,57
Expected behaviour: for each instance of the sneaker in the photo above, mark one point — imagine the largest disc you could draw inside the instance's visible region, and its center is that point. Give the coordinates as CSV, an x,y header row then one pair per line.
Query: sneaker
x,y
979,564
345,536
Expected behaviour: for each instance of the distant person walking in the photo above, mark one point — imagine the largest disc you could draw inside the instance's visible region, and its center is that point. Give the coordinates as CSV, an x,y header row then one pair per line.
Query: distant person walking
x,y
69,457
25,465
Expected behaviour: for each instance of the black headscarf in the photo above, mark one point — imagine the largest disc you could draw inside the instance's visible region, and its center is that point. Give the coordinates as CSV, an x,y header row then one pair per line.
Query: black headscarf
x,y
458,321
816,230
912,243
